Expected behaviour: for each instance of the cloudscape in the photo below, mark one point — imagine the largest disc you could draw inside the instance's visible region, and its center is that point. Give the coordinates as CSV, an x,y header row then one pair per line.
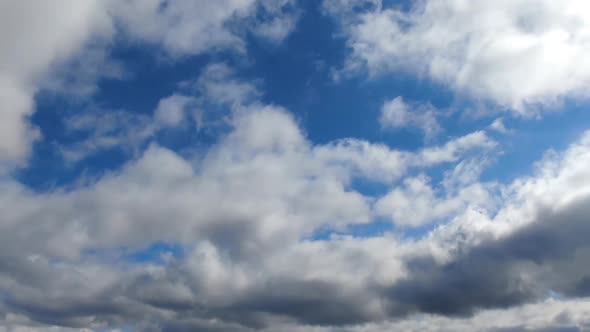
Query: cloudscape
x,y
294,165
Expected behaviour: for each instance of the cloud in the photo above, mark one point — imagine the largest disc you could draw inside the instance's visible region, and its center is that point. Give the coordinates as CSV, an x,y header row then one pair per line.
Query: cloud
x,y
519,268
516,54
283,22
454,149
98,130
380,163
218,84
189,27
534,246
396,113
416,203
499,126
182,27
171,110
277,29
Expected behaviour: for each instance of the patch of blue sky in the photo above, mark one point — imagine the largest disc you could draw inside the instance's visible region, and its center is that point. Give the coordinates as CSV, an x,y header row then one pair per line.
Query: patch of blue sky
x,y
156,252
122,329
376,228
529,139
46,169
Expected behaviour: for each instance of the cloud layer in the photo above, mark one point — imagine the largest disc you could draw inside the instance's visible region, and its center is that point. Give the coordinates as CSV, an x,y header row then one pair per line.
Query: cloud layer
x,y
242,213
264,229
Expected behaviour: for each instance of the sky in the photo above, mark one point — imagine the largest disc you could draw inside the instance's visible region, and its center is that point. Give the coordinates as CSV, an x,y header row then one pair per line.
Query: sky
x,y
294,165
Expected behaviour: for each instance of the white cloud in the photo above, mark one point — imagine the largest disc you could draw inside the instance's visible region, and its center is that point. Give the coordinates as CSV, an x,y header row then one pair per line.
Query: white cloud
x,y
182,27
416,203
396,113
104,130
282,24
454,149
498,125
518,54
380,163
192,27
219,85
171,110
277,29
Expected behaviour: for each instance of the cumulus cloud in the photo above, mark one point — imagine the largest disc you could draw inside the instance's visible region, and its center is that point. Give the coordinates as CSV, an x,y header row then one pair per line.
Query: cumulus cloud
x,y
192,27
283,22
103,130
517,54
218,84
396,113
499,126
416,203
533,247
171,110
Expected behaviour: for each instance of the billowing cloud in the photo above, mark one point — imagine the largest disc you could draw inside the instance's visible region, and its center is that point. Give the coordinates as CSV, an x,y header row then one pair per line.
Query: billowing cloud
x,y
517,54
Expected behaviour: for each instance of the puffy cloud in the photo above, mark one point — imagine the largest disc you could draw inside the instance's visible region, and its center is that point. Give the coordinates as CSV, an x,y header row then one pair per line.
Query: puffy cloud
x,y
171,110
282,24
416,202
103,130
396,113
218,84
182,27
277,29
517,54
499,126
532,247
382,164
454,149
192,27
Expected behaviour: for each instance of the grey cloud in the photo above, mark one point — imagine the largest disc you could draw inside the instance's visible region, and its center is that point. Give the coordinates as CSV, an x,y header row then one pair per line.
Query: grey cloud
x,y
547,255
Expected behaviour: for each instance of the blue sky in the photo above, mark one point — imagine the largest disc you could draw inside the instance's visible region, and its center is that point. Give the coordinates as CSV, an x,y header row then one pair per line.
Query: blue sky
x,y
201,165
